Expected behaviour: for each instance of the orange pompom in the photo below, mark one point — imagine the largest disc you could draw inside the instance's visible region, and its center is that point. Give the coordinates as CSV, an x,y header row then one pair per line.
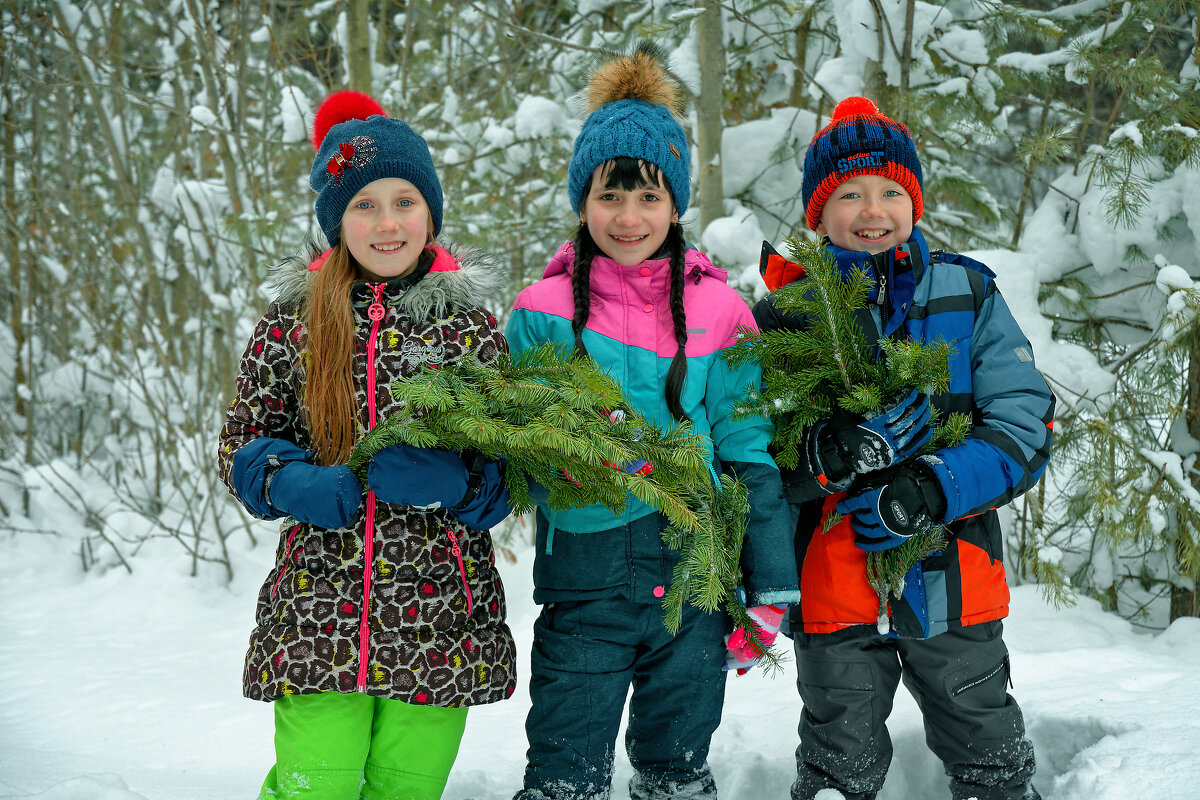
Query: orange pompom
x,y
853,107
339,107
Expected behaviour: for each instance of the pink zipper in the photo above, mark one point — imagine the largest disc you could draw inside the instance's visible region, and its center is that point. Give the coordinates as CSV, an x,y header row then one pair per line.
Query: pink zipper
x,y
454,548
288,555
376,312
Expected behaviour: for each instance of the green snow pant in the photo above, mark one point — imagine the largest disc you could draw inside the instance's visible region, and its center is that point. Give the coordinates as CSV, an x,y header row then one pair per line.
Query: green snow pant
x,y
336,746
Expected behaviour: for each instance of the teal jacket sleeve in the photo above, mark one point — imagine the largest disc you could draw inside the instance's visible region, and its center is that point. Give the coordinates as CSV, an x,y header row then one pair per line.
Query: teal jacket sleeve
x,y
768,553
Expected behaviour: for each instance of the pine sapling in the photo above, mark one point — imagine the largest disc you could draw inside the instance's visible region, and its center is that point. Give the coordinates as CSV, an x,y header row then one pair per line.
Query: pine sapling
x,y
564,423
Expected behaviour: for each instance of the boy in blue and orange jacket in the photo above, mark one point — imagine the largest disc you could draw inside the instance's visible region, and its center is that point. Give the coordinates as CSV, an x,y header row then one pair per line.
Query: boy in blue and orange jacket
x,y
862,190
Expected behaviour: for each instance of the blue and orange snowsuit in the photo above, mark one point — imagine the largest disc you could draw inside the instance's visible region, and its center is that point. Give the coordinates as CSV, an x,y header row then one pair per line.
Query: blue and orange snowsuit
x,y
944,629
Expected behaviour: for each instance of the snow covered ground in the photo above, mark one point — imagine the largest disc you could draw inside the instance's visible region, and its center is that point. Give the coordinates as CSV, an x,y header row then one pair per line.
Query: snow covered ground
x,y
127,687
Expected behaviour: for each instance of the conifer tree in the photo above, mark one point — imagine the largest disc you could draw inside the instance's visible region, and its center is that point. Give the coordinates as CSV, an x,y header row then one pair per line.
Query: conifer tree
x,y
1113,135
1068,133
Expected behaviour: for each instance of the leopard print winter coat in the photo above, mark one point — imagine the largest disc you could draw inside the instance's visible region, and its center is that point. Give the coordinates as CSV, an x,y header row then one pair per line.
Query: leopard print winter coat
x,y
425,623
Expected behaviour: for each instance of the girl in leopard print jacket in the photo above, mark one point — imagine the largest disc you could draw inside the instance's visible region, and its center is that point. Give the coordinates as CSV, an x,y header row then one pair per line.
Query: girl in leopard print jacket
x,y
383,618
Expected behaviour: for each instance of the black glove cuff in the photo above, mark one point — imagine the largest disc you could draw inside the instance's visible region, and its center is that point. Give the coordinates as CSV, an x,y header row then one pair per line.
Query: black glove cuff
x,y
274,465
829,452
930,492
474,461
816,447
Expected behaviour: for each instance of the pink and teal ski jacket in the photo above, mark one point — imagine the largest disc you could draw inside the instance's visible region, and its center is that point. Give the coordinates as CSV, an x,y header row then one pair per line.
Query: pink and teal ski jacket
x,y
630,334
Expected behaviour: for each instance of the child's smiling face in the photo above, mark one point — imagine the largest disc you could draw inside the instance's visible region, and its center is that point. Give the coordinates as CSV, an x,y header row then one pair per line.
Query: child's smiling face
x,y
386,225
867,212
628,225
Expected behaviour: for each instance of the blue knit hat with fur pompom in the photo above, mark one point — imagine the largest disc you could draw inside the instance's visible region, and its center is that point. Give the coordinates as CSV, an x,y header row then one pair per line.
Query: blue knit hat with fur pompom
x,y
634,110
357,143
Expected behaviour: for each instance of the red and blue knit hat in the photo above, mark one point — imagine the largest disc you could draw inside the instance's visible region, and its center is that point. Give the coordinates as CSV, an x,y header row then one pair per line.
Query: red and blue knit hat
x,y
357,143
858,141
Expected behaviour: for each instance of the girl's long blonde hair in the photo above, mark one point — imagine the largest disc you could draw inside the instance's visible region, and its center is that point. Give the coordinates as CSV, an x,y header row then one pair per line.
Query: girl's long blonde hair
x,y
330,406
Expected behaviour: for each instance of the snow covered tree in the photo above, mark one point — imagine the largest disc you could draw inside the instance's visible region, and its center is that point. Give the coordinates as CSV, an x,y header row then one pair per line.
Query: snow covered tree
x,y
1117,239
1067,133
156,171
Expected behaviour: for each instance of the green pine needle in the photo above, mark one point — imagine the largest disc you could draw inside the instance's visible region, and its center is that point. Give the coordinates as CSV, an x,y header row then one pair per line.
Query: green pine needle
x,y
546,413
810,373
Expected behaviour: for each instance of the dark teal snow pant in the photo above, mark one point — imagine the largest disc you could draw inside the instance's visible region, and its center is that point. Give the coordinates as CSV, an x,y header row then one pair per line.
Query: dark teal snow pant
x,y
586,656
959,678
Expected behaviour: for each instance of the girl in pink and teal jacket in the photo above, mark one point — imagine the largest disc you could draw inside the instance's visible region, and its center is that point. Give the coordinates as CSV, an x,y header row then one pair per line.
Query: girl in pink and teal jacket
x,y
655,314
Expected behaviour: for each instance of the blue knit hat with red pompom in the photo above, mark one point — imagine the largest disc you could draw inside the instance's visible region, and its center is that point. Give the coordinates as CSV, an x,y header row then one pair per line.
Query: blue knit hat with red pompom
x,y
356,143
859,141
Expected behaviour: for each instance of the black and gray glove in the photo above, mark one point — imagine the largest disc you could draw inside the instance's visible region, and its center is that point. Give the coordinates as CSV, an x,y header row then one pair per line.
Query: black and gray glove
x,y
889,437
885,516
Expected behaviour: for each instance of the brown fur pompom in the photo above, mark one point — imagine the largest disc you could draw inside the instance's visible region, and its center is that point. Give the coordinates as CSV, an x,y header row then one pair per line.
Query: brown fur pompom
x,y
640,76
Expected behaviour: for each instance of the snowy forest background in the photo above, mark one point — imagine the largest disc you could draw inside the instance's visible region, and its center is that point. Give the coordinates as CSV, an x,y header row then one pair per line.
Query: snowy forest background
x,y
155,166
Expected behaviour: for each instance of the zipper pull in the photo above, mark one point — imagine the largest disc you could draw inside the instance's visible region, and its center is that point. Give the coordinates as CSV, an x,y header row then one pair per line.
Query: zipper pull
x,y
376,312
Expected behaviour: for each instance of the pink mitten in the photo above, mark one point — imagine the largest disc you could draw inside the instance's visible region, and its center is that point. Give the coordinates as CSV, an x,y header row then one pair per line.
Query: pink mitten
x,y
639,467
740,653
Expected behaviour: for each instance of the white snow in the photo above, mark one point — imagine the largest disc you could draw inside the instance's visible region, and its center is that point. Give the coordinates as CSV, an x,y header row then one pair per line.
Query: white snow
x,y
128,687
1173,277
1034,62
203,116
294,110
733,241
1128,131
540,116
761,160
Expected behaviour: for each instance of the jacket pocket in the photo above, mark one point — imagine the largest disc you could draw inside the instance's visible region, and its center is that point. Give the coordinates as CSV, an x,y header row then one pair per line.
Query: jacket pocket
x,y
290,557
456,551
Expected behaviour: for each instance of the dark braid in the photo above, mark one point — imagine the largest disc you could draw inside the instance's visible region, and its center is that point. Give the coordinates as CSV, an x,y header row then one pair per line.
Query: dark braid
x,y
581,278
678,371
630,174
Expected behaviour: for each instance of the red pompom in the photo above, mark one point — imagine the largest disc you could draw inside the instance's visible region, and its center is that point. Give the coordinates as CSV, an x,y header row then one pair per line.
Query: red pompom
x,y
339,107
855,106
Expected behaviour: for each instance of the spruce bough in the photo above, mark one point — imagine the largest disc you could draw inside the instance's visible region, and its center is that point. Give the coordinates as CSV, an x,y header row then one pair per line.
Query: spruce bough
x,y
550,416
811,373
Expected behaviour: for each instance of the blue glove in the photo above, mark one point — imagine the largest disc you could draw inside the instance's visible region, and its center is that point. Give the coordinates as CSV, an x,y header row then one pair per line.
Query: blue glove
x,y
886,516
327,497
638,467
886,438
418,476
428,478
252,463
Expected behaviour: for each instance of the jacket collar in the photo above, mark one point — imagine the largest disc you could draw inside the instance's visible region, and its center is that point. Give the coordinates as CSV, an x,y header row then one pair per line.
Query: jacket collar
x,y
895,272
607,275
460,277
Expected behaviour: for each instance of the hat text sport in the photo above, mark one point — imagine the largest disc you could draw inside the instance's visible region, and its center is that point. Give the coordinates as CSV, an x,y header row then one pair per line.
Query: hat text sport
x,y
872,159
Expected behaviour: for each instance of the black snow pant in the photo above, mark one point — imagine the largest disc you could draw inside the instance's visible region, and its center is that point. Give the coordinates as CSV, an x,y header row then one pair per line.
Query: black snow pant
x,y
959,678
586,655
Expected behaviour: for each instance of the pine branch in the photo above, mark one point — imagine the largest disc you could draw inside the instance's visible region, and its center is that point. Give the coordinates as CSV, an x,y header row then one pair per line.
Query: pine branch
x,y
563,423
886,569
810,373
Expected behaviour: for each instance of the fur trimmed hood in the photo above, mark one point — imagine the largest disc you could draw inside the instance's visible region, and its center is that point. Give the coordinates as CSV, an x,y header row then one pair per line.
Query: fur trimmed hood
x,y
461,277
